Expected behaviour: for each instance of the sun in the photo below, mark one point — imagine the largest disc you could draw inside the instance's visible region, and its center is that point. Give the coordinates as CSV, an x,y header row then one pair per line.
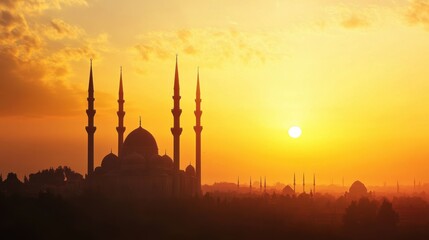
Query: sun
x,y
295,132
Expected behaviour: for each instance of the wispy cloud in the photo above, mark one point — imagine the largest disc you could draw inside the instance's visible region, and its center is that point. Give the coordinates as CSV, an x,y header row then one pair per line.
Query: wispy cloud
x,y
58,29
218,44
418,13
355,21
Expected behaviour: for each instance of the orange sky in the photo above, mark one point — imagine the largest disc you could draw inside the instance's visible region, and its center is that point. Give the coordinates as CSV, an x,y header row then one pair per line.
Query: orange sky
x,y
352,74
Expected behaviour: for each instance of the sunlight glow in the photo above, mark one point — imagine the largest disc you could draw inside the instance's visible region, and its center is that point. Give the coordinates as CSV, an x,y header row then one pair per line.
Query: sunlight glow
x,y
295,132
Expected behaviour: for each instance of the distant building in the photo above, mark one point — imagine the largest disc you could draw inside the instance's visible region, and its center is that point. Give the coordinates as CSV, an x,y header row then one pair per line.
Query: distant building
x,y
287,190
357,190
139,169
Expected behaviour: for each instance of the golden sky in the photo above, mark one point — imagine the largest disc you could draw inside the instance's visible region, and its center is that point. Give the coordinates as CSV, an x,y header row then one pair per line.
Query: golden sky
x,y
354,75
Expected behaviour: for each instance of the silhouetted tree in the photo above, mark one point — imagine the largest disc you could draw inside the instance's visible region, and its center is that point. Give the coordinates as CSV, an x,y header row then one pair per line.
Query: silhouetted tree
x,y
55,177
360,217
387,218
72,176
12,184
350,217
90,214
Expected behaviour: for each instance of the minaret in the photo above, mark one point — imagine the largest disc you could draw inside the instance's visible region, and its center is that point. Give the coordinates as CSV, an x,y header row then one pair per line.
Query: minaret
x,y
260,184
303,183
90,129
198,128
397,187
250,184
120,129
176,111
238,182
294,183
265,184
314,183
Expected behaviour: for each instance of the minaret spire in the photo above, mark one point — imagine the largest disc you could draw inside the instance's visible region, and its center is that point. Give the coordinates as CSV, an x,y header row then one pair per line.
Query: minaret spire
x,y
120,129
314,183
198,128
90,129
265,184
294,183
303,183
176,77
260,184
397,187
238,182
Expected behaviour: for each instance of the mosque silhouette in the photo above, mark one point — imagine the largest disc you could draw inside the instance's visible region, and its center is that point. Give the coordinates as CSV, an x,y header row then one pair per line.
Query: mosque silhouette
x,y
139,170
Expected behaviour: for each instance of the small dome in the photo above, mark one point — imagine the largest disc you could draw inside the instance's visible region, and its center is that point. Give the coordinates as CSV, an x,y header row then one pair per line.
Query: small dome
x,y
358,189
99,171
140,141
190,170
287,190
167,162
110,161
167,158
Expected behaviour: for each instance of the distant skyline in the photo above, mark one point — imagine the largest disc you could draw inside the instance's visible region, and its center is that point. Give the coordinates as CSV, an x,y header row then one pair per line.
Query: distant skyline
x,y
353,75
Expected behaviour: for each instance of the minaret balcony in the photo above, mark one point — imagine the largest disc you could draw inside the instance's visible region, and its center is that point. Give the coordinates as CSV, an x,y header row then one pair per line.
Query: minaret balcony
x,y
90,112
176,131
90,129
176,111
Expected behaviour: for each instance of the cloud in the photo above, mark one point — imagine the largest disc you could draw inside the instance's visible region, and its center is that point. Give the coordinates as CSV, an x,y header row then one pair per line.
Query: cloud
x,y
59,61
354,21
33,76
219,44
418,13
24,91
58,29
32,6
8,20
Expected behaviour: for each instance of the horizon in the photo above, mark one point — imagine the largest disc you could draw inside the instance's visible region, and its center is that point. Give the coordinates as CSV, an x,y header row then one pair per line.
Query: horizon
x,y
345,73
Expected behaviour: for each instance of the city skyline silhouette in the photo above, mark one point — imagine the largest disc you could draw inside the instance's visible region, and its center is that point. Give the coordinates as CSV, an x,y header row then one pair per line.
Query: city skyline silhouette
x,y
214,119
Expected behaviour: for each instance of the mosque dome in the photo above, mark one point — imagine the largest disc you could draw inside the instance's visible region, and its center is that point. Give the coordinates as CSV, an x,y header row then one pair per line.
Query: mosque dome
x,y
167,160
98,171
110,161
287,190
140,141
358,189
161,163
190,170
